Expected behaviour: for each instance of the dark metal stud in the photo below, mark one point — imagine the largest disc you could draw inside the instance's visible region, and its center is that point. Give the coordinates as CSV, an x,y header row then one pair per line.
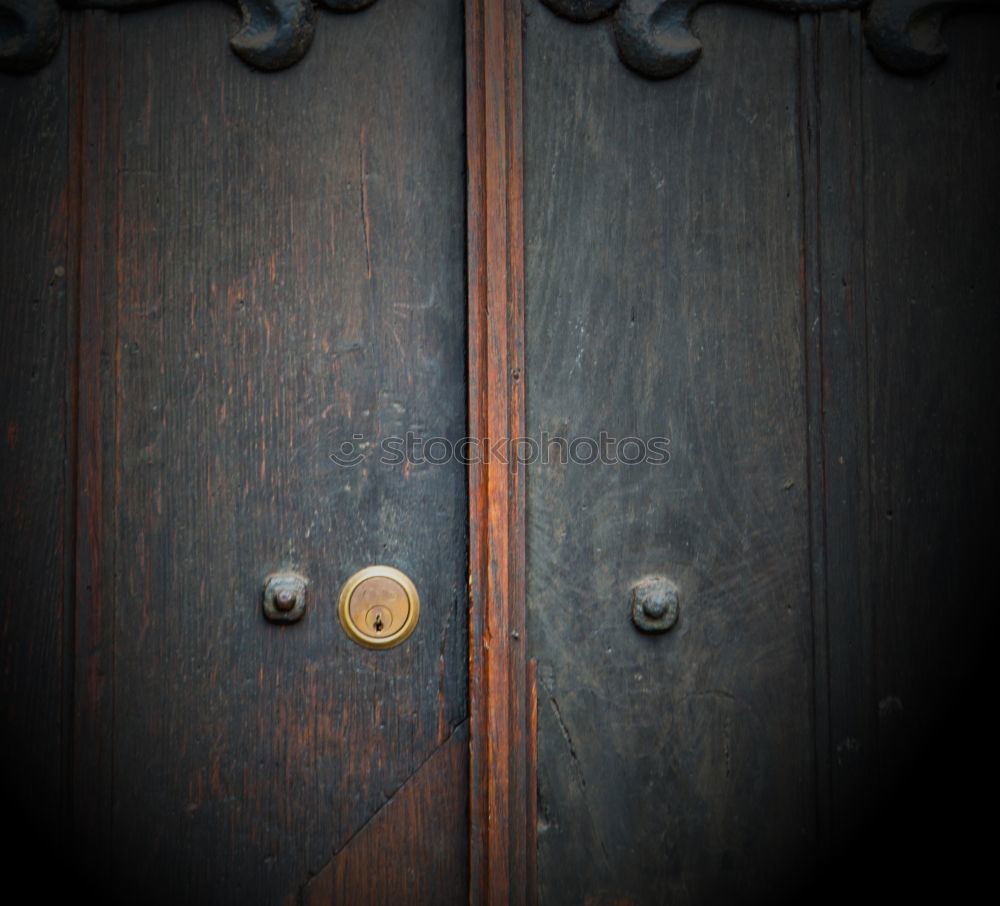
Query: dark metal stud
x,y
284,597
655,604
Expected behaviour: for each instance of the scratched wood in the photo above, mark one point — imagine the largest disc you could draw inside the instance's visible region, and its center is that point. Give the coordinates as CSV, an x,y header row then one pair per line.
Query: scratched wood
x,y
212,278
831,426
285,261
663,233
34,504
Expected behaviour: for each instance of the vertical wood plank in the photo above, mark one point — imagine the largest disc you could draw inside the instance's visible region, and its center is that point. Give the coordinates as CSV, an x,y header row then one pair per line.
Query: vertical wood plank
x,y
902,184
812,357
95,110
531,872
35,468
499,832
932,210
663,299
834,298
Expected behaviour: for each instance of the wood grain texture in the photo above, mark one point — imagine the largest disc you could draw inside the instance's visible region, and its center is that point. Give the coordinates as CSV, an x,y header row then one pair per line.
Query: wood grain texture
x,y
663,236
407,852
531,856
658,38
34,476
282,269
499,832
903,308
835,303
95,228
932,206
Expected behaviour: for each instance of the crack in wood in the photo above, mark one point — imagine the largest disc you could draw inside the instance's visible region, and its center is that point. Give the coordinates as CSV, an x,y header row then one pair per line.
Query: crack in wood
x,y
580,776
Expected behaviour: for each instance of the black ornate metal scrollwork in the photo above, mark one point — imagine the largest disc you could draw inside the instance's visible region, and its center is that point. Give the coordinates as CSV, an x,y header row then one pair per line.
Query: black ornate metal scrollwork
x,y
274,34
29,33
655,37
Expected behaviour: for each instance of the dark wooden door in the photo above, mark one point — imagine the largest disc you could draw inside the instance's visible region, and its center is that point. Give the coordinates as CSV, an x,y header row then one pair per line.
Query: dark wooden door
x,y
727,274
224,275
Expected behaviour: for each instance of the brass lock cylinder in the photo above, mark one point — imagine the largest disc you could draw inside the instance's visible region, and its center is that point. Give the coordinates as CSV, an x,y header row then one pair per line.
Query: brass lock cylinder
x,y
379,607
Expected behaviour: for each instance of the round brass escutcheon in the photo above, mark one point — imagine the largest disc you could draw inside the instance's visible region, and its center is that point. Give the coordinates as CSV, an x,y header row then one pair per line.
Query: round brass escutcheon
x,y
379,607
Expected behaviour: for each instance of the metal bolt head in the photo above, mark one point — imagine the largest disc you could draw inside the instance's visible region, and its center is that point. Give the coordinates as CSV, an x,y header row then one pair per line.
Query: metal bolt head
x,y
655,604
284,597
655,607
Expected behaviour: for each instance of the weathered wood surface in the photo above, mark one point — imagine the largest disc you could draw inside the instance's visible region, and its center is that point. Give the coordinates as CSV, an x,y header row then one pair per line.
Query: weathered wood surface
x,y
499,834
782,260
34,504
932,209
663,234
831,423
406,853
910,280
94,115
282,268
835,305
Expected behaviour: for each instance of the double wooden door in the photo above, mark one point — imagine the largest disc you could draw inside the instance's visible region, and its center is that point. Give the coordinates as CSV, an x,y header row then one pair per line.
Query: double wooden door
x,y
232,297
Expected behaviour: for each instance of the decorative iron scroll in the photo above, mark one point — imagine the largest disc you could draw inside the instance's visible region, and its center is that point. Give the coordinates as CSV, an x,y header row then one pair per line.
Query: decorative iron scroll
x,y
655,37
274,34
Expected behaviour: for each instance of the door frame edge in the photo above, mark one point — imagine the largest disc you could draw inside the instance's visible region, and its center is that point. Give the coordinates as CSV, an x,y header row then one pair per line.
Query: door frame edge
x,y
502,747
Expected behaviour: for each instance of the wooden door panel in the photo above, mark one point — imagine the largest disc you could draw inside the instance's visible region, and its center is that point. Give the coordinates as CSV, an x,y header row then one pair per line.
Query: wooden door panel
x,y
282,263
776,259
663,238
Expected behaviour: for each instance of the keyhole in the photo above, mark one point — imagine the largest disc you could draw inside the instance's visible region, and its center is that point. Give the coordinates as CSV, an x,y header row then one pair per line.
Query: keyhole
x,y
378,622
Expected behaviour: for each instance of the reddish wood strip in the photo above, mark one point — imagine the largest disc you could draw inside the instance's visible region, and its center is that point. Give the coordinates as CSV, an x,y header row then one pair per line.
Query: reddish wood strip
x,y
94,129
497,664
